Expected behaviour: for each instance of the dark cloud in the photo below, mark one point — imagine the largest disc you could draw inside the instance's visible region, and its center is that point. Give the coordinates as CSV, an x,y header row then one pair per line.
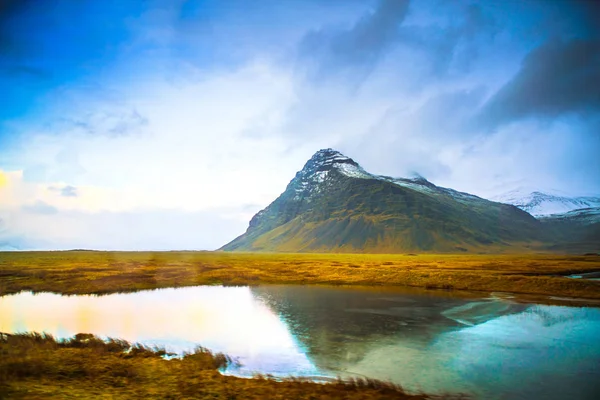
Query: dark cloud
x,y
9,11
66,191
40,207
455,45
406,48
587,15
333,50
557,78
26,72
108,123
69,191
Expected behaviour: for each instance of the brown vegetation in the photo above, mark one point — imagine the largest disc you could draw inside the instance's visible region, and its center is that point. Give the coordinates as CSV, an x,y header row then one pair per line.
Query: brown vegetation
x,y
87,272
35,366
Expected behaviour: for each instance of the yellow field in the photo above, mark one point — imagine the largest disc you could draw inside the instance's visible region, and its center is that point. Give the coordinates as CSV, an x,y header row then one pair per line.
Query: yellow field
x,y
81,272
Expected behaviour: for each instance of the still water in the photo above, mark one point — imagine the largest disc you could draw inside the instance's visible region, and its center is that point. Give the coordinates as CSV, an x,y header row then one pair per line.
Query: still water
x,y
490,348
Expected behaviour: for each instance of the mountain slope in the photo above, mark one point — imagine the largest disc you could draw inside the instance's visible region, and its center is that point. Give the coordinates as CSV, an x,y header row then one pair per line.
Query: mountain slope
x,y
539,203
574,231
334,205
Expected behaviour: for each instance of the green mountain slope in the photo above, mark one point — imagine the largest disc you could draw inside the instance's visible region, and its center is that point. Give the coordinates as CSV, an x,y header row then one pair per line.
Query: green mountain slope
x,y
573,231
333,205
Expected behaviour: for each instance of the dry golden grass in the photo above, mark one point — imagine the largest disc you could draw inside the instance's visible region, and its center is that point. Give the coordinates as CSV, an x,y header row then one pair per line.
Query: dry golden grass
x,y
86,272
34,366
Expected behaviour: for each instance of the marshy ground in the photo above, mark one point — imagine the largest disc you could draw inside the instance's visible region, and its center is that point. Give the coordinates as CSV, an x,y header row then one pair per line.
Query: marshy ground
x,y
92,272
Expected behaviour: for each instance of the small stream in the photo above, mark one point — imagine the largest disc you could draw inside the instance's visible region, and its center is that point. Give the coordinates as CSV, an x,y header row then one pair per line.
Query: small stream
x,y
594,276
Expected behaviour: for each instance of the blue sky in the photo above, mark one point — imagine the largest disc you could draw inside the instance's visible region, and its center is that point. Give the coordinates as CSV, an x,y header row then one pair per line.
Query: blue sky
x,y
168,124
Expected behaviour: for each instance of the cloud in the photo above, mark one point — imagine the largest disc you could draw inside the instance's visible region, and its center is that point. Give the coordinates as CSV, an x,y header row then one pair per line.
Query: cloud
x,y
66,191
412,42
108,219
334,50
9,9
557,78
192,156
560,155
452,45
39,207
25,72
413,138
587,16
104,121
158,229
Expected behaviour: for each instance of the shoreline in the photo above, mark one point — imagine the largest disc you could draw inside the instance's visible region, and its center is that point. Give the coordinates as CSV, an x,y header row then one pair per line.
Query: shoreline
x,y
521,298
36,365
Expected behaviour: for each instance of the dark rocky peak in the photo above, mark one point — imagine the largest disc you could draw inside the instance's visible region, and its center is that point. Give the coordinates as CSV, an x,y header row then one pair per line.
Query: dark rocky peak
x,y
317,169
325,159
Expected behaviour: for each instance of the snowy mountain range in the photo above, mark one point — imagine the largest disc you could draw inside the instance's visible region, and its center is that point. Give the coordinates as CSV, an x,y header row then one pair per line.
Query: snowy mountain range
x,y
543,203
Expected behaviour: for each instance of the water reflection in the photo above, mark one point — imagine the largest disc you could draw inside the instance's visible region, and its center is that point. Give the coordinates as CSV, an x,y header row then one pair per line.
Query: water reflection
x,y
229,320
383,334
491,348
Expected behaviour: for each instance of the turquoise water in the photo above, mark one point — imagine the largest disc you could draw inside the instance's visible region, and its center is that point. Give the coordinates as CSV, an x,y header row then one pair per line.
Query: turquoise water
x,y
433,341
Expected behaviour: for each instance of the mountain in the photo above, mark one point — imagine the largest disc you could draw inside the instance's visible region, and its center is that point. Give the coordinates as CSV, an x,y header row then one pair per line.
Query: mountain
x,y
574,231
581,217
539,203
334,205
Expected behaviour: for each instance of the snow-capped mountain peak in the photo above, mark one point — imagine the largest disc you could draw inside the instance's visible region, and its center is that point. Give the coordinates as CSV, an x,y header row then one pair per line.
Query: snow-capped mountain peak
x,y
326,159
582,216
541,203
317,171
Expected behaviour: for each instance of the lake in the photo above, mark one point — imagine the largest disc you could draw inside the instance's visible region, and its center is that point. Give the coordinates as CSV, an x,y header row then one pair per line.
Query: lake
x,y
489,347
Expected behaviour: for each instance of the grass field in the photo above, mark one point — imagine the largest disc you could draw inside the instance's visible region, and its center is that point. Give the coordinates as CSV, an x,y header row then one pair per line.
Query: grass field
x,y
34,366
91,272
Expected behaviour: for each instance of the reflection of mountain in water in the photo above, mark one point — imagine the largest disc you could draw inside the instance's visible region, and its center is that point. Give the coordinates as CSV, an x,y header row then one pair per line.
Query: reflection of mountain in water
x,y
556,317
338,327
479,312
440,343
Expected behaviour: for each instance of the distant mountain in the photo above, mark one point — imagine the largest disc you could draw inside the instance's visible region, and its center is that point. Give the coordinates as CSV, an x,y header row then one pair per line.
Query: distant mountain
x,y
582,217
574,231
539,203
334,205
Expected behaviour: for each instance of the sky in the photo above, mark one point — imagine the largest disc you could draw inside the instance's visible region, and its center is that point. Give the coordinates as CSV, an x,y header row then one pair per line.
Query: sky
x,y
166,124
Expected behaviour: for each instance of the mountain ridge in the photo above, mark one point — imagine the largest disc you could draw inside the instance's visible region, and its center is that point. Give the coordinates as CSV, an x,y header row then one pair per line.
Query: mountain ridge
x,y
543,203
333,205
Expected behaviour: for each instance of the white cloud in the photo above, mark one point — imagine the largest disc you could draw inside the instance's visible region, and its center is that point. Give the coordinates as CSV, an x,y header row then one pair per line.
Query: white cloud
x,y
196,156
43,219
